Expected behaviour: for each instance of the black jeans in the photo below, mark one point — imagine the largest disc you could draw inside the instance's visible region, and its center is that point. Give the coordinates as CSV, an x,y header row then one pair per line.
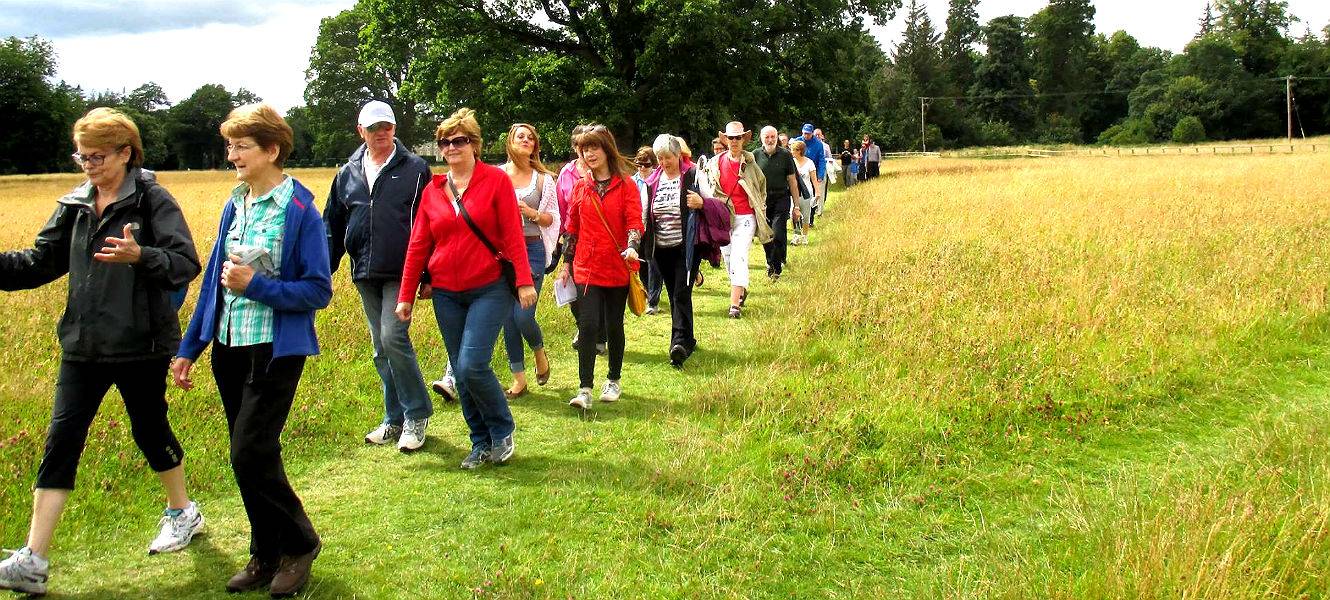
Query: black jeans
x,y
675,272
778,212
576,308
873,170
599,303
257,392
79,390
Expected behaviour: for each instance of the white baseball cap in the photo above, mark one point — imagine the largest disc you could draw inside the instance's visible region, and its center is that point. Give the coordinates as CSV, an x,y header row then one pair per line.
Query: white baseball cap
x,y
375,111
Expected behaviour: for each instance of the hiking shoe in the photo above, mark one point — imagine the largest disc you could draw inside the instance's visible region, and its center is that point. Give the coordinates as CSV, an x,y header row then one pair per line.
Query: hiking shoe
x,y
502,451
293,573
446,387
611,391
477,457
734,312
179,526
383,434
24,572
582,400
255,575
678,354
413,434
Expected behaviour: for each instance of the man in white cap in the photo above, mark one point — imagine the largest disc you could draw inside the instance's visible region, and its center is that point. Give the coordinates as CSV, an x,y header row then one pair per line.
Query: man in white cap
x,y
369,213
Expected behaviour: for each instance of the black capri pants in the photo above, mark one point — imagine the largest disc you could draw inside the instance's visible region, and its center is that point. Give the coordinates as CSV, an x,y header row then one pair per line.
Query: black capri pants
x,y
79,390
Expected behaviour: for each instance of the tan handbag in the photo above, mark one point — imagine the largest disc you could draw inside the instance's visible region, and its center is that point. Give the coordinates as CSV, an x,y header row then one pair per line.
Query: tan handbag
x,y
637,293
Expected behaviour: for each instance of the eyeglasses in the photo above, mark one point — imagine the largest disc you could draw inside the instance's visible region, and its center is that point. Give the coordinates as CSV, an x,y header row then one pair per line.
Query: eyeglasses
x,y
735,137
238,148
460,141
380,126
95,160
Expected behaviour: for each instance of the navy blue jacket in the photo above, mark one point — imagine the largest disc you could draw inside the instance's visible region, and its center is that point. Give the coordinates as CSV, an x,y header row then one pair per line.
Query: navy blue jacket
x,y
305,285
374,226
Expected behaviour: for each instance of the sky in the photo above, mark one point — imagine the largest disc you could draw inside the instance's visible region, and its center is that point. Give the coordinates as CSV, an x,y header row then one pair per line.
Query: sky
x,y
264,45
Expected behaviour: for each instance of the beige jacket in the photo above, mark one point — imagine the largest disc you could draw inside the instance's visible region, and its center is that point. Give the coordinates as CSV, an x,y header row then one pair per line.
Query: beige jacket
x,y
754,184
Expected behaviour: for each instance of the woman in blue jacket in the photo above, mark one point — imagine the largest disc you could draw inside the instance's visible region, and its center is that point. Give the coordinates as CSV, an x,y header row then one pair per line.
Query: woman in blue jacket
x,y
267,275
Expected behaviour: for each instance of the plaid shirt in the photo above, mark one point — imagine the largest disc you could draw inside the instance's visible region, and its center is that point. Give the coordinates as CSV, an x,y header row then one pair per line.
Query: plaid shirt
x,y
246,322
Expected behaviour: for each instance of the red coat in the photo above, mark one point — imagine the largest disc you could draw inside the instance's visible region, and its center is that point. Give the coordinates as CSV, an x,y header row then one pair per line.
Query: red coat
x,y
442,242
596,259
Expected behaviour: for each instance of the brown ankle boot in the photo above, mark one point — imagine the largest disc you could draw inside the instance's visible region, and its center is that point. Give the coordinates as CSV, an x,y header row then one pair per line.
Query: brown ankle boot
x,y
292,573
255,575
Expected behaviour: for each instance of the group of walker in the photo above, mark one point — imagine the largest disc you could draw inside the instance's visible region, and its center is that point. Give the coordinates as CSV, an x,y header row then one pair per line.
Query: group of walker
x,y
476,241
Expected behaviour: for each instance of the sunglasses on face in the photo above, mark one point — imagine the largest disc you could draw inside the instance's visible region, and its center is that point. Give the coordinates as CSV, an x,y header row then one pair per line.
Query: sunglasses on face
x,y
377,127
460,141
735,137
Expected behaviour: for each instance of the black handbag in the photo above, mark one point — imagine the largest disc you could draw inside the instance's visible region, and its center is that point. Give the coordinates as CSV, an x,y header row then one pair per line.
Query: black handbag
x,y
506,267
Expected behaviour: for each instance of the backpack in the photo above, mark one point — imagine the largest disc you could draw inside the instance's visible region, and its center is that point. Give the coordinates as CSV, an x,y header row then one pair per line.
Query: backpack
x,y
146,238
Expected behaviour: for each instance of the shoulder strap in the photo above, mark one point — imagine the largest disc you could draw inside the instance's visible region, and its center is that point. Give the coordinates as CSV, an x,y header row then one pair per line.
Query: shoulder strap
x,y
595,203
461,210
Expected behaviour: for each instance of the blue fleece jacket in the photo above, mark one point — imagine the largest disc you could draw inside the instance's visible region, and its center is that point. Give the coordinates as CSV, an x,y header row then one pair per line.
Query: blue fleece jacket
x,y
304,287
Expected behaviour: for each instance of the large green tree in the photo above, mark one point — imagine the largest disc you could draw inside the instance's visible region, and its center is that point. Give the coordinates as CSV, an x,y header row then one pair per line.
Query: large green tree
x,y
195,123
963,32
38,113
1002,81
1061,40
639,66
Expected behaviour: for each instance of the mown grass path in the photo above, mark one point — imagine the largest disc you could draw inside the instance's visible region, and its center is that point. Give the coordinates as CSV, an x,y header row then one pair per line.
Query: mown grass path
x,y
952,393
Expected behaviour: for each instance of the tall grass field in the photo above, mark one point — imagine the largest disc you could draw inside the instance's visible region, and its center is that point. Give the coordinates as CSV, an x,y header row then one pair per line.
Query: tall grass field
x,y
1057,378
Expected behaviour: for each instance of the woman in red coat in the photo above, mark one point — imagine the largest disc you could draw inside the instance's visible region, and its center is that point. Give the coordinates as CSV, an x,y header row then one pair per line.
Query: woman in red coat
x,y
604,225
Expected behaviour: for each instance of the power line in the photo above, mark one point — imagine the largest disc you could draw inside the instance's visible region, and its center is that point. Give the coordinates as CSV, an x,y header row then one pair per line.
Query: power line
x,y
1043,95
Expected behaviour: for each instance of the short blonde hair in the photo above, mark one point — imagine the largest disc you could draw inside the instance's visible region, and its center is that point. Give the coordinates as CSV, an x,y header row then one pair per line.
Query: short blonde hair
x,y
684,150
798,145
261,122
464,122
110,128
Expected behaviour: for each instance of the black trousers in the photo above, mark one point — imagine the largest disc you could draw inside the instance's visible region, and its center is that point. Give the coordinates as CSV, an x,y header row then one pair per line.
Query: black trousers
x,y
778,212
79,390
599,303
674,271
873,170
257,392
576,308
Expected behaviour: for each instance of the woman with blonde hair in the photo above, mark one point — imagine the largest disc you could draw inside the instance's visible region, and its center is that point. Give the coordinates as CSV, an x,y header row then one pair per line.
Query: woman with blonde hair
x,y
537,200
468,234
604,226
808,174
268,274
124,243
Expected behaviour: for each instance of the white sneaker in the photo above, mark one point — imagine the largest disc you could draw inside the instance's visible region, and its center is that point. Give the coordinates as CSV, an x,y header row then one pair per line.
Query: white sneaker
x,y
446,387
611,392
582,400
383,434
24,572
177,530
413,434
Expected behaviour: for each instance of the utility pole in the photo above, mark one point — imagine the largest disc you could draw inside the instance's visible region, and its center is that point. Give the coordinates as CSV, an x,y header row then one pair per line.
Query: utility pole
x,y
923,109
1288,102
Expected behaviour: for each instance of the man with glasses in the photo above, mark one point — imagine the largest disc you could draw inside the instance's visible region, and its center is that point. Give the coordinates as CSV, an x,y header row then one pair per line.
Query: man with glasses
x,y
369,214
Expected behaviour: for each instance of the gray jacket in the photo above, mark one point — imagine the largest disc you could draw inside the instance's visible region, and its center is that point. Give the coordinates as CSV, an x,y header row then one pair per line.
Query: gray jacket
x,y
113,312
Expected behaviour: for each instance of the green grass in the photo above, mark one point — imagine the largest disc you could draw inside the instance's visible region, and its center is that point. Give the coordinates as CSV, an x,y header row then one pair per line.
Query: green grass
x,y
951,402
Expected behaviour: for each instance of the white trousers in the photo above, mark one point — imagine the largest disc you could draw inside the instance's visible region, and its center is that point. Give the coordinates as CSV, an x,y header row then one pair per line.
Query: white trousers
x,y
736,254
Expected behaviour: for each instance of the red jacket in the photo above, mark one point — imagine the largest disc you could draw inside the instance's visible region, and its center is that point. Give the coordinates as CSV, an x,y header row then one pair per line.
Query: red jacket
x,y
596,259
457,260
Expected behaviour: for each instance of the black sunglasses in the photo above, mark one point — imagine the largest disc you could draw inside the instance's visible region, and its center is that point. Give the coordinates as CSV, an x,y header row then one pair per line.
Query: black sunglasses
x,y
460,141
735,137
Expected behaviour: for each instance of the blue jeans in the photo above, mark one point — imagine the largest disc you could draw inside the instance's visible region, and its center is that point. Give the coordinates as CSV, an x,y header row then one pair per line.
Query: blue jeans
x,y
521,323
404,394
469,322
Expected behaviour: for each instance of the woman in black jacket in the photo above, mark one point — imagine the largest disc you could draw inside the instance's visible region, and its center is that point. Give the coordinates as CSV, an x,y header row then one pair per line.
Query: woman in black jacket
x,y
125,245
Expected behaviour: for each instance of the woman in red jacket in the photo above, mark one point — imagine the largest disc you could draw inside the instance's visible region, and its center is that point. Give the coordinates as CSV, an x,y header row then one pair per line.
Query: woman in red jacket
x,y
604,225
471,297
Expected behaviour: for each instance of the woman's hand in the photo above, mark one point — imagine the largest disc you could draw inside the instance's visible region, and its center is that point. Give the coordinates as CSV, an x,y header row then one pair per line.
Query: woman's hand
x,y
403,312
235,276
694,200
123,250
180,368
526,296
629,256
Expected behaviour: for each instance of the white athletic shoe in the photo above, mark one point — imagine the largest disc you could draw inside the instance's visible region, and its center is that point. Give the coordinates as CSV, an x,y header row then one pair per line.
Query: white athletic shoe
x,y
383,434
446,387
413,434
582,400
611,391
177,530
24,572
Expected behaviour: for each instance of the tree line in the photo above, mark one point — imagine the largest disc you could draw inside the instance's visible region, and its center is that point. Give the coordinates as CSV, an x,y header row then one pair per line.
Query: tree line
x,y
685,66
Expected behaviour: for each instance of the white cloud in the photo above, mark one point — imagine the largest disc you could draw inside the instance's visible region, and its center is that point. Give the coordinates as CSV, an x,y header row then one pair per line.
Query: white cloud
x,y
268,58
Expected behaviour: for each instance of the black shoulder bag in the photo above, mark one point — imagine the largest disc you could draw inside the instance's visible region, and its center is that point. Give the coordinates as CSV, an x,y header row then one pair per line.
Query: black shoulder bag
x,y
505,266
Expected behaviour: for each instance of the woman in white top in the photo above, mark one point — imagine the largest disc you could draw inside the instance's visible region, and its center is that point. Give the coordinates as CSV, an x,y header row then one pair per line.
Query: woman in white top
x,y
537,199
807,169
